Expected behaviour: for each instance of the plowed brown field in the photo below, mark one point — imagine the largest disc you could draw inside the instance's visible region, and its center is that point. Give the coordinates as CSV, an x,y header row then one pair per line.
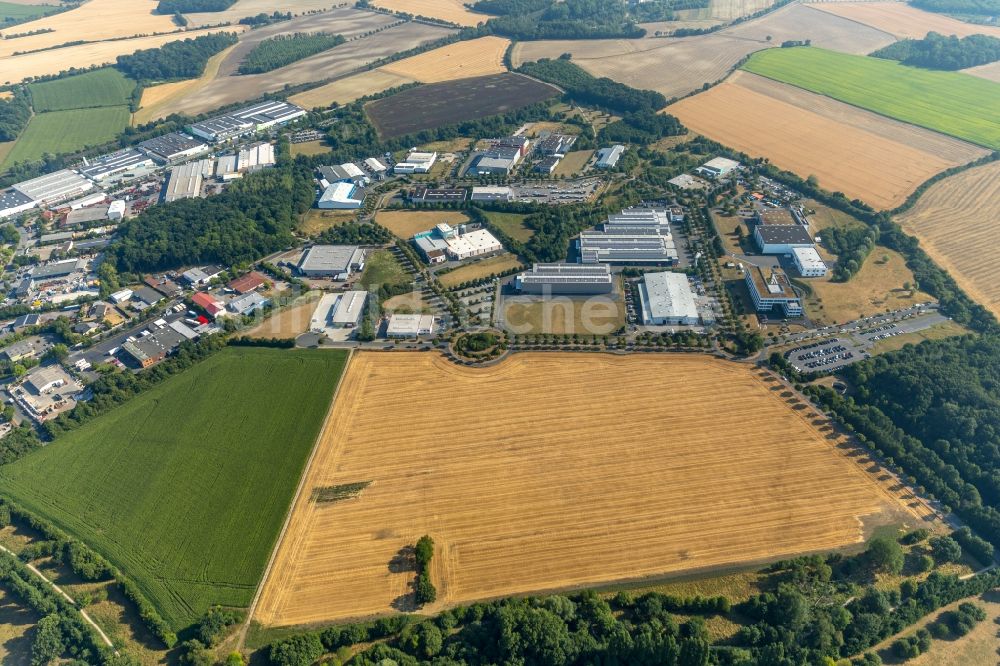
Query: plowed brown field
x,y
902,20
552,471
677,66
956,222
446,10
864,155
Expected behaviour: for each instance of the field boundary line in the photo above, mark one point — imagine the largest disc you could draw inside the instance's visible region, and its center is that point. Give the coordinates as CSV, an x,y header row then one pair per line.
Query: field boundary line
x,y
291,506
59,590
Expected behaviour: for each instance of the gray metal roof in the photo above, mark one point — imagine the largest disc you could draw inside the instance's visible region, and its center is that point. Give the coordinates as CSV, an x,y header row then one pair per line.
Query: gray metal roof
x,y
784,234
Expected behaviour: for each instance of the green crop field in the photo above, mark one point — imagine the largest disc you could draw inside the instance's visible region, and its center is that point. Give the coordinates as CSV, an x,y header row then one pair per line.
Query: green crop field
x,y
66,131
952,103
185,488
101,87
11,12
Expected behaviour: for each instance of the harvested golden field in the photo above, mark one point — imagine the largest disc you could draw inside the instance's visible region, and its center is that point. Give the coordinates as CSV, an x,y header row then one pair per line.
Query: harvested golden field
x,y
956,222
678,66
348,89
599,315
453,11
564,481
461,60
990,72
861,154
902,20
244,8
476,270
406,223
92,21
573,163
17,68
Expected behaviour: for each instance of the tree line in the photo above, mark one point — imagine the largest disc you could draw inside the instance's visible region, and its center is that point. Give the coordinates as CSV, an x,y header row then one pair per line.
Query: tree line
x,y
936,51
191,6
285,49
570,19
15,112
602,92
184,59
972,7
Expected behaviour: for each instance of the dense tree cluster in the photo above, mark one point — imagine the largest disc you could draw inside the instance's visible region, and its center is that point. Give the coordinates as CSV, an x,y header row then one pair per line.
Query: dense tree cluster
x,y
423,589
511,7
936,51
933,408
642,128
191,6
970,7
570,19
15,112
285,49
265,19
253,217
184,59
586,89
851,244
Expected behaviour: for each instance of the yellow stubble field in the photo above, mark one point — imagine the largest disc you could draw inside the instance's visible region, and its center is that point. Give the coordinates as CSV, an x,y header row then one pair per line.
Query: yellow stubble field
x,y
348,89
461,60
956,222
866,156
902,20
554,471
406,223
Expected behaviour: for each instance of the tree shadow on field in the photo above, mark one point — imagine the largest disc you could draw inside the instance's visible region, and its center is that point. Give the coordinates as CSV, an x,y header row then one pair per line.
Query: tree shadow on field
x,y
404,560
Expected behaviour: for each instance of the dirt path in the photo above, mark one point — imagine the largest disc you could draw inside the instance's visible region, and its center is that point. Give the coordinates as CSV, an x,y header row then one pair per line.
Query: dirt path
x,y
100,632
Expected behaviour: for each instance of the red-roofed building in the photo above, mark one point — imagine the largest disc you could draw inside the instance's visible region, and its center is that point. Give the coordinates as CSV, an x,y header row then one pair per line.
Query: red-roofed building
x,y
244,284
208,303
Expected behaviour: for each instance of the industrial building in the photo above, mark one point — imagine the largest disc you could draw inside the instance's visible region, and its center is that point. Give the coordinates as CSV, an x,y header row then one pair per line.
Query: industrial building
x,y
416,162
521,143
547,165
186,180
116,210
338,311
248,120
86,215
772,290
637,236
409,326
56,269
157,344
667,300
116,166
247,303
245,284
23,349
499,160
555,145
458,244
774,216
607,158
342,173
333,261
808,262
55,188
13,202
247,160
376,167
781,238
575,279
492,194
341,196
438,195
718,167
687,182
46,392
172,147
212,306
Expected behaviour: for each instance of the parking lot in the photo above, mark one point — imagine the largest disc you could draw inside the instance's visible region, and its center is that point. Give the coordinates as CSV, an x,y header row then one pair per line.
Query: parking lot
x,y
855,342
561,192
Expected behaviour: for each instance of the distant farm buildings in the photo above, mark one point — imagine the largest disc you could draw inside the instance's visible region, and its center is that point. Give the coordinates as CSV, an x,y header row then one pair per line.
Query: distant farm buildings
x,y
566,279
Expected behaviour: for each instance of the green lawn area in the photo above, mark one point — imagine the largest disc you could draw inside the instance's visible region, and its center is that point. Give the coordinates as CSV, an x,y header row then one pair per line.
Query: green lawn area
x,y
11,12
101,87
185,488
383,270
66,131
511,224
953,103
